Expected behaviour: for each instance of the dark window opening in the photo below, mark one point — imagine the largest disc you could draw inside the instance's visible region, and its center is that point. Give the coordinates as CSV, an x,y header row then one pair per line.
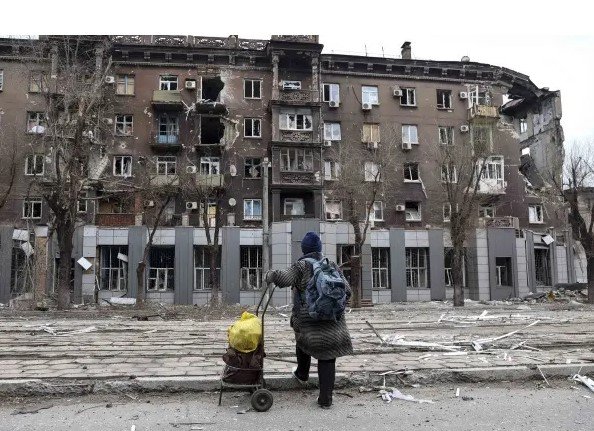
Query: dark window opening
x,y
448,256
162,268
113,267
211,131
253,168
542,267
251,268
211,88
503,271
344,252
21,277
202,267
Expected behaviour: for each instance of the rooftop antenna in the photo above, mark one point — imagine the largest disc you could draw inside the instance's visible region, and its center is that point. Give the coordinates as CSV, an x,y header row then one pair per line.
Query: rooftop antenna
x,y
383,55
365,50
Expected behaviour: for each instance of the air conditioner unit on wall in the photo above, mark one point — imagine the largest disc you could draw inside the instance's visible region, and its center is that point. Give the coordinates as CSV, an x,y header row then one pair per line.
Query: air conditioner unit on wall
x,y
400,208
406,146
397,92
190,84
327,143
109,80
191,205
463,95
333,104
191,169
366,106
464,128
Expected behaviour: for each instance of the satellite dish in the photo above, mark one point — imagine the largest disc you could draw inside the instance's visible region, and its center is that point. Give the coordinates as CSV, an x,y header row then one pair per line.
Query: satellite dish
x,y
232,202
465,59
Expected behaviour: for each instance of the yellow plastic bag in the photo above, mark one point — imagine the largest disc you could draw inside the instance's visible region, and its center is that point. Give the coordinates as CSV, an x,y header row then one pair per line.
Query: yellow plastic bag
x,y
244,335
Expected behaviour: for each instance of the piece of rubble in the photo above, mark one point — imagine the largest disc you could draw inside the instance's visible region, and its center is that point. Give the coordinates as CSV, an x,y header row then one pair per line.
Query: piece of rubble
x,y
585,380
396,394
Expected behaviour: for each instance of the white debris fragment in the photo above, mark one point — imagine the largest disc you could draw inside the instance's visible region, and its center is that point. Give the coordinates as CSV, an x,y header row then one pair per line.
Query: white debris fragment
x,y
457,392
509,334
585,380
398,340
397,395
477,346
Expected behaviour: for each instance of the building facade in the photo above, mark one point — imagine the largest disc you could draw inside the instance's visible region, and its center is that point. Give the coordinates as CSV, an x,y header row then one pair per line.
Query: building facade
x,y
221,111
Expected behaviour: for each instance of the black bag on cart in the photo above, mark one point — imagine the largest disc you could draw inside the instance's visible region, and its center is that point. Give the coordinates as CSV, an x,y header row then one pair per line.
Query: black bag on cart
x,y
243,368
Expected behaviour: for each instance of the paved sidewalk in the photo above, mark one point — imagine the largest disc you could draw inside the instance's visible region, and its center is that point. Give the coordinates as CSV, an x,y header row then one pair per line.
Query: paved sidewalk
x,y
121,349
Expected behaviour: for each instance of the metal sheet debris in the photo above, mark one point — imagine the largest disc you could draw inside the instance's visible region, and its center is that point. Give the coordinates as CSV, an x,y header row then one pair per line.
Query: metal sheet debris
x,y
398,340
397,395
84,263
585,380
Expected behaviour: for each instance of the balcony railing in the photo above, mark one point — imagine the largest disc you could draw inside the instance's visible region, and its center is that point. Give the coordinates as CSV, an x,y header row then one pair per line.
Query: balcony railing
x,y
166,141
500,222
307,178
296,135
115,219
492,187
165,180
210,180
482,111
167,99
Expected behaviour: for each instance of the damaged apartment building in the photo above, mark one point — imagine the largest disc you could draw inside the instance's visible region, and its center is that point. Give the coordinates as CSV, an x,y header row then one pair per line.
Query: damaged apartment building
x,y
224,111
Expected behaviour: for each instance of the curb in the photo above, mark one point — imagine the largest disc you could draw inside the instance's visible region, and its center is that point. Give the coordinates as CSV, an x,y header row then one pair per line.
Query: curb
x,y
42,387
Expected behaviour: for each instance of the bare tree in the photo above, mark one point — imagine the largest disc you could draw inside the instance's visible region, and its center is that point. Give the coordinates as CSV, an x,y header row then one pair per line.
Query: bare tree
x,y
8,167
362,174
464,183
69,74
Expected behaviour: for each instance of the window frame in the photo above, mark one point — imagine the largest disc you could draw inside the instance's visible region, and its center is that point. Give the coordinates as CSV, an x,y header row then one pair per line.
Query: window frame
x,y
252,81
441,104
29,208
408,212
123,158
126,122
168,83
330,86
333,201
202,268
39,121
287,163
449,134
406,168
523,125
447,218
408,93
372,172
330,131
378,206
253,121
409,128
40,86
166,166
128,82
380,268
446,176
252,216
373,129
485,209
35,158
257,166
290,119
475,128
168,272
533,214
245,253
210,165
107,270
292,202
170,123
331,170
367,91
413,254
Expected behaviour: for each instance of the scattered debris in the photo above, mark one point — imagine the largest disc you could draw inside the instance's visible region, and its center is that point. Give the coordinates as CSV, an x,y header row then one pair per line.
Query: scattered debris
x,y
375,331
121,301
52,331
344,393
457,392
398,340
509,334
543,376
585,380
244,411
180,424
32,409
465,398
395,394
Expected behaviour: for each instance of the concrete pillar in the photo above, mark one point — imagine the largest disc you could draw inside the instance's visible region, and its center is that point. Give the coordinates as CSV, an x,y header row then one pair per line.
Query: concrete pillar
x,y
553,259
275,90
397,265
184,265
437,265
137,238
5,262
276,205
530,264
230,264
315,78
366,274
77,253
42,262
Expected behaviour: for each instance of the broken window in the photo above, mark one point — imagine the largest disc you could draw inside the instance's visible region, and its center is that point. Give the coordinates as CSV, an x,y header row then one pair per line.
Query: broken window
x,y
252,209
32,208
446,135
448,256
332,132
211,130
251,267
542,267
211,212
416,268
113,267
161,268
377,211
371,171
333,209
369,94
202,267
166,165
210,165
253,167
535,214
331,93
410,134
344,253
449,174
380,267
494,169
293,207
211,88
503,271
408,97
295,119
36,122
411,172
444,99
412,211
122,166
252,88
296,159
331,170
479,95
252,127
34,164
447,212
168,82
22,268
486,211
370,133
38,82
125,85
168,129
481,136
123,126
523,125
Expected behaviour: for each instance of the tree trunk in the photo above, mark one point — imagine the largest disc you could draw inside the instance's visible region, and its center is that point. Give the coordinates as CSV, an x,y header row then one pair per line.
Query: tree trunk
x,y
213,280
140,290
590,275
457,279
355,263
65,234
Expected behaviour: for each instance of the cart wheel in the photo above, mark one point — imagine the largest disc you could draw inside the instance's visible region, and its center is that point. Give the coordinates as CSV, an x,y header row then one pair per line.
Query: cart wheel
x,y
262,400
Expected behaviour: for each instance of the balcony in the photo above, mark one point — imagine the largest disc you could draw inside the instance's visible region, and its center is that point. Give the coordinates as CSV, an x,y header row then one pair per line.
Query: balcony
x,y
164,180
492,187
287,217
215,181
115,219
165,99
305,178
296,136
165,141
512,222
483,111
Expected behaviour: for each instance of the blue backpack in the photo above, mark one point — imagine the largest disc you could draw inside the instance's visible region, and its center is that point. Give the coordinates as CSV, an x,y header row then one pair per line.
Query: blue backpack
x,y
325,294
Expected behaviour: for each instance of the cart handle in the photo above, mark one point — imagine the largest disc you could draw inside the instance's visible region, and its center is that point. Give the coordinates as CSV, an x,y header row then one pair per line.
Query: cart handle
x,y
270,290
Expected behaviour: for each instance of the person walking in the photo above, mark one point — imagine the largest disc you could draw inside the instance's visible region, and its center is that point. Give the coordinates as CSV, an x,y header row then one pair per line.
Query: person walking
x,y
325,340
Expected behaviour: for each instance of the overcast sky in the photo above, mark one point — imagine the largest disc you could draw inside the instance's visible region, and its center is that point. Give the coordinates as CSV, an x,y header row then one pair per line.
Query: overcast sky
x,y
551,41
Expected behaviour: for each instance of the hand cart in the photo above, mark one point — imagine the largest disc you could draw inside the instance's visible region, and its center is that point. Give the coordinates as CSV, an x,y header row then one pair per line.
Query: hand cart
x,y
252,378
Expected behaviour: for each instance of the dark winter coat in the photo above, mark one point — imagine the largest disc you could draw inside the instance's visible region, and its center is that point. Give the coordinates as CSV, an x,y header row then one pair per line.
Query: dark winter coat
x,y
322,339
